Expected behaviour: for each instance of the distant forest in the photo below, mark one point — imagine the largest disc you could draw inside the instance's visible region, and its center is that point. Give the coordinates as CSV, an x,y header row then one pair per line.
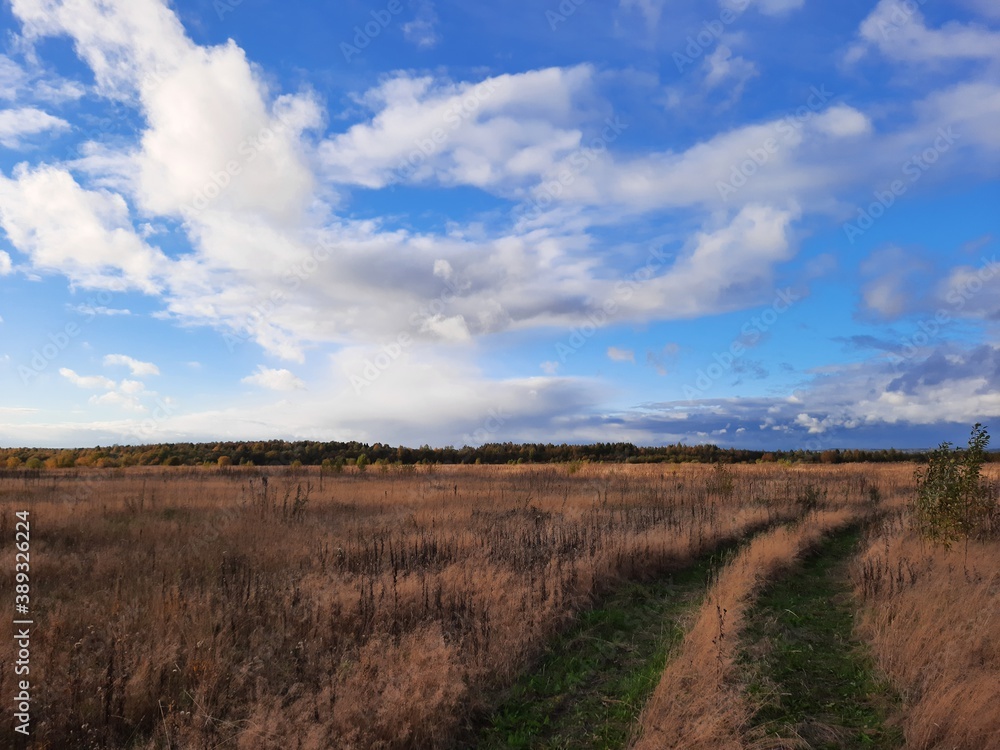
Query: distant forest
x,y
335,455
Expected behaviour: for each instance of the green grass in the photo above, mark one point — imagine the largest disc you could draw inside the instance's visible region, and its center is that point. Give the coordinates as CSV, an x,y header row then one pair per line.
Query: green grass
x,y
802,658
588,690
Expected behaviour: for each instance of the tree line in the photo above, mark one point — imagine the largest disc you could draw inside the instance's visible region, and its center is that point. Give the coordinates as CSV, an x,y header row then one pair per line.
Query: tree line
x,y
338,454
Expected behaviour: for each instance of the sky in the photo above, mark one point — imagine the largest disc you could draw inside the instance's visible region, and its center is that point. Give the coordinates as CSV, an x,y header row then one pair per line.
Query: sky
x,y
755,223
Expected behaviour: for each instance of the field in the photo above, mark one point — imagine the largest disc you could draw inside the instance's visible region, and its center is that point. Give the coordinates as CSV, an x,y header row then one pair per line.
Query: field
x,y
497,606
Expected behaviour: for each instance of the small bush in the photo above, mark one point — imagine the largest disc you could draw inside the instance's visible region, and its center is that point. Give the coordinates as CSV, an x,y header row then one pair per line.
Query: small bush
x,y
810,497
721,482
953,500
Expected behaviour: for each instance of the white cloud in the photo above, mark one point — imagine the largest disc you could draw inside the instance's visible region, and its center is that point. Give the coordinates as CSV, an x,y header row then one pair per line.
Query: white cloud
x,y
134,365
723,267
86,381
5,264
17,123
126,393
125,44
57,90
843,121
125,397
970,110
132,387
17,82
422,30
651,10
83,234
899,32
275,380
497,132
722,67
227,149
621,355
12,78
93,310
808,159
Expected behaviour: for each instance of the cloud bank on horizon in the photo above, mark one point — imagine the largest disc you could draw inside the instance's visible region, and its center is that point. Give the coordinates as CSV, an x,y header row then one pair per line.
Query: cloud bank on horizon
x,y
761,223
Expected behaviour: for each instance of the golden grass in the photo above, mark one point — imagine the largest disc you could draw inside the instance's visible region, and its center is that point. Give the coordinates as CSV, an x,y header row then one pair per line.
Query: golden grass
x,y
933,619
276,608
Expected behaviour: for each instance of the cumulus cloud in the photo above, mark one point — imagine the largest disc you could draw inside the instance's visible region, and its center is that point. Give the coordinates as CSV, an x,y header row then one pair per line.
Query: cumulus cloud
x,y
843,121
496,132
84,234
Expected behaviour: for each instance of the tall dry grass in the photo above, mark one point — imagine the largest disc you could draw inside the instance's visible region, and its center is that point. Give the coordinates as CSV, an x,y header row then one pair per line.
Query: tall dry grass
x,y
271,609
933,619
699,703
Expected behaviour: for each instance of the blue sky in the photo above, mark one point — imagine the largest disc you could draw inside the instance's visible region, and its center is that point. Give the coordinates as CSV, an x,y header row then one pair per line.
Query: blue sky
x,y
758,223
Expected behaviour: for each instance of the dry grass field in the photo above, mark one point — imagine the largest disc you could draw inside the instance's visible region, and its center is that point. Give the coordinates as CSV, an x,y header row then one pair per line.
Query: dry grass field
x,y
278,608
